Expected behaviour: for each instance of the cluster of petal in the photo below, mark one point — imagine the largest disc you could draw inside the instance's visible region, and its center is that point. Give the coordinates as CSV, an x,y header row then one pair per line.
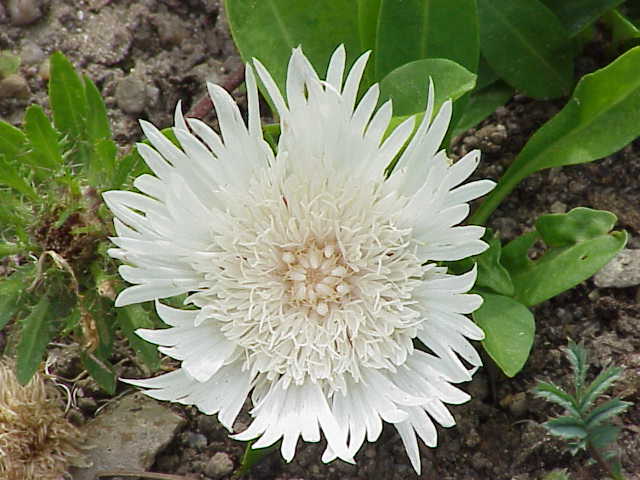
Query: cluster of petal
x,y
309,273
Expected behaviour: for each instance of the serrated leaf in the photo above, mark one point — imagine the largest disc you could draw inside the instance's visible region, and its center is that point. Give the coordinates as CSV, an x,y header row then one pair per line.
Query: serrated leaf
x,y
408,85
560,268
130,318
43,139
34,337
67,97
602,117
577,355
419,29
578,14
553,393
100,370
269,29
566,427
509,329
10,177
600,384
606,411
510,36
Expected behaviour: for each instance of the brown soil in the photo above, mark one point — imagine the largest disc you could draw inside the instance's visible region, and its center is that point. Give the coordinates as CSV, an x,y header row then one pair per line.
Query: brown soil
x,y
167,50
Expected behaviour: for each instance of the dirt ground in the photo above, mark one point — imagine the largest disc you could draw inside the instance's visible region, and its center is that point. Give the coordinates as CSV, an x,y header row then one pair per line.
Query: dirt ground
x,y
147,54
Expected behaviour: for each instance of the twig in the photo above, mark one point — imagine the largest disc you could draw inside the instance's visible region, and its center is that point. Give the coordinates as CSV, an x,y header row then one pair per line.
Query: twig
x,y
204,105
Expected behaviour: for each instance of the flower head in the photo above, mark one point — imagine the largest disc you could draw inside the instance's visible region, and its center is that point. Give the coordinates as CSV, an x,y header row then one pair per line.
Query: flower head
x,y
310,274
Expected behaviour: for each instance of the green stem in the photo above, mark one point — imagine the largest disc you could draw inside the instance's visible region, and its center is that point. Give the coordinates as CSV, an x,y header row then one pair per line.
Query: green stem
x,y
505,186
595,453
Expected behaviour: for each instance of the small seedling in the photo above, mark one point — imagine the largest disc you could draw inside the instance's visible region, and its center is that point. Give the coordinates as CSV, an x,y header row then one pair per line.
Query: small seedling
x,y
587,426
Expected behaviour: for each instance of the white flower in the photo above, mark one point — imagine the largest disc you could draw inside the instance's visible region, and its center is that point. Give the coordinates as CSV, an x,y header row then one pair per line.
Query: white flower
x,y
310,275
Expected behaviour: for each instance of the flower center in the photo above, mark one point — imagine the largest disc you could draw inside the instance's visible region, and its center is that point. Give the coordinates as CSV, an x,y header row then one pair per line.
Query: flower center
x,y
317,278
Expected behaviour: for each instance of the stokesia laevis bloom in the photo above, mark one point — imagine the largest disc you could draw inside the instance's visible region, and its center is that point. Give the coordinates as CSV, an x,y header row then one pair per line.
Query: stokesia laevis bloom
x,y
310,275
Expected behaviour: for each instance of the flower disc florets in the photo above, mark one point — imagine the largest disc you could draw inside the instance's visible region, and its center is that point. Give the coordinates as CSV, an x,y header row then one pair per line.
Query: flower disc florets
x,y
309,273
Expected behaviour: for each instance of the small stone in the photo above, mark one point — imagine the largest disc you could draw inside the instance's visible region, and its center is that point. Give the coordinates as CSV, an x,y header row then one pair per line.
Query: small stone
x,y
44,70
24,12
516,403
14,86
219,465
194,440
621,272
131,95
558,207
32,54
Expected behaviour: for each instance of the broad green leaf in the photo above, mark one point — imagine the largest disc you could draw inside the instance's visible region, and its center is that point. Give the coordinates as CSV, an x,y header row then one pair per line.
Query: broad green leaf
x,y
601,118
11,288
408,85
34,337
580,224
43,139
130,318
368,14
623,30
103,163
486,75
481,104
509,328
67,97
553,393
12,141
564,267
417,29
97,121
605,412
527,46
600,384
100,370
577,14
253,456
566,427
10,177
491,274
269,29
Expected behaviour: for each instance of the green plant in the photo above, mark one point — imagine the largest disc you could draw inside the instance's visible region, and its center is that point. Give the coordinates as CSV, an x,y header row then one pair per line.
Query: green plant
x,y
53,224
587,424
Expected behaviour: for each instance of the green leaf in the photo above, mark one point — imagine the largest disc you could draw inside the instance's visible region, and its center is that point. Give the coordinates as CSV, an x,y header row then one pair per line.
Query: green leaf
x,y
486,75
577,355
606,411
603,436
253,456
527,46
97,121
67,97
34,338
130,318
578,14
481,104
600,384
10,177
269,29
418,29
491,274
566,427
601,118
509,328
580,224
11,288
368,12
623,30
553,393
100,370
563,267
12,141
408,85
43,139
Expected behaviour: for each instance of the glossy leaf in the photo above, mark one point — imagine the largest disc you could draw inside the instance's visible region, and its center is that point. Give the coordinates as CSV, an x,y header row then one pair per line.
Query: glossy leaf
x,y
566,427
509,329
580,224
100,370
67,97
368,13
602,117
578,14
418,29
511,33
130,318
623,30
560,268
408,85
269,29
491,274
35,335
481,104
43,139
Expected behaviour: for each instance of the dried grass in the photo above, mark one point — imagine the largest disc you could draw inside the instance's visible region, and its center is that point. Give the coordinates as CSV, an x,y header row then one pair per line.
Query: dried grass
x,y
37,442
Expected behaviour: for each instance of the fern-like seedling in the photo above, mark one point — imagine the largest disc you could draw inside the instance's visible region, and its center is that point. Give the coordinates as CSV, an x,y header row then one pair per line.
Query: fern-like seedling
x,y
587,426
